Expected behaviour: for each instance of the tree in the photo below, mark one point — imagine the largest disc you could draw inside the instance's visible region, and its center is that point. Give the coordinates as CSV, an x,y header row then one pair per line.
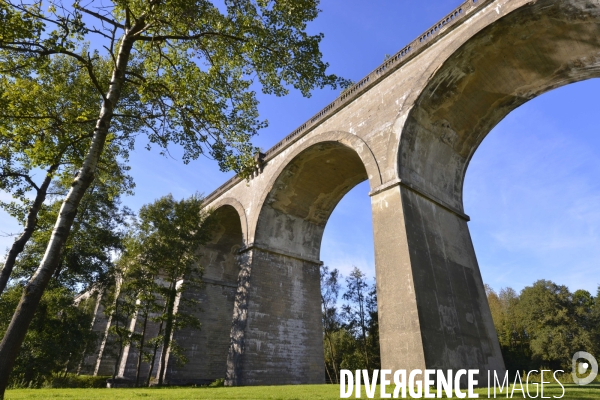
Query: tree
x,y
373,327
555,327
171,234
56,339
86,263
18,25
512,335
140,284
160,261
356,310
121,309
97,234
45,124
543,326
330,288
596,321
350,338
349,354
193,65
583,304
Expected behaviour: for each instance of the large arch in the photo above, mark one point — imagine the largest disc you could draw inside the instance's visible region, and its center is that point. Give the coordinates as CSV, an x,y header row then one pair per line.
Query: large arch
x,y
223,207
539,46
304,193
277,332
345,139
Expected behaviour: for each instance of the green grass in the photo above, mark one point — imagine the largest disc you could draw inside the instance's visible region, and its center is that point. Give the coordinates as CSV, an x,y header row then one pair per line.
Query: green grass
x,y
591,392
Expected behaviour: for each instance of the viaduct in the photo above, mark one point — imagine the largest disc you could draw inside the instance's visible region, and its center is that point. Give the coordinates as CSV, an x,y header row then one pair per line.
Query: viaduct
x,y
410,128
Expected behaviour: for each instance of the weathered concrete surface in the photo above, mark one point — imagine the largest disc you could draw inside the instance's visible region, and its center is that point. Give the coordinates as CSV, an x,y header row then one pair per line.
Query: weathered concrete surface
x,y
410,129
283,314
206,349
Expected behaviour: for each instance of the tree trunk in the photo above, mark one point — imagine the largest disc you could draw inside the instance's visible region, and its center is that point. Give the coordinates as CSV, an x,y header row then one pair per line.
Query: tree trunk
x,y
155,350
168,330
363,326
87,345
333,357
140,355
32,292
154,355
328,374
117,362
30,227
153,359
80,216
118,333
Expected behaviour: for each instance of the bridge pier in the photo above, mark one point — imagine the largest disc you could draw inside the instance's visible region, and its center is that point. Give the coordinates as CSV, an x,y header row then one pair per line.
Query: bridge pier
x,y
276,333
433,311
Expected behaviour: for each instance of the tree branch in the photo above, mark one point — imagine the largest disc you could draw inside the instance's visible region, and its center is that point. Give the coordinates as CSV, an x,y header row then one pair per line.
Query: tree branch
x,y
44,51
19,175
99,16
30,116
162,38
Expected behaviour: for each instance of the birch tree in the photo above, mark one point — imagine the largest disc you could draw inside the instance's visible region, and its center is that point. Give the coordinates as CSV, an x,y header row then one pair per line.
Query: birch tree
x,y
45,128
195,66
97,234
171,232
160,261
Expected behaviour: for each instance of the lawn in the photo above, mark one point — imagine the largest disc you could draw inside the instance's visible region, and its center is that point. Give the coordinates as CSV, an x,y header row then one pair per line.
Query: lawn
x,y
258,393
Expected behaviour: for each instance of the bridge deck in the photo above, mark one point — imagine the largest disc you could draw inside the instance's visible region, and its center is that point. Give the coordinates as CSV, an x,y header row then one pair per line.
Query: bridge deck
x,y
408,52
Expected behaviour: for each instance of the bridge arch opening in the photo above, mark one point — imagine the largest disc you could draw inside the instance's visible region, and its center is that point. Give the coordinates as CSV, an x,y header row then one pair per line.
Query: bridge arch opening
x,y
207,348
531,192
304,195
220,255
538,47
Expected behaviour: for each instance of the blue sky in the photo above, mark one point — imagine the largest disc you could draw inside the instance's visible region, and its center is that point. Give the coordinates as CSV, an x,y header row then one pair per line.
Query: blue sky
x,y
532,189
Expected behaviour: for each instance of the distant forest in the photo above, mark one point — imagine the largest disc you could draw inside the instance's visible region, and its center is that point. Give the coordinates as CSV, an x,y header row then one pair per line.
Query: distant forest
x,y
539,328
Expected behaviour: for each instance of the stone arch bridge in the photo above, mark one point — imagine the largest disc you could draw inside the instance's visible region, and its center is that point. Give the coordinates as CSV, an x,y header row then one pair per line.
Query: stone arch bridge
x,y
410,128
